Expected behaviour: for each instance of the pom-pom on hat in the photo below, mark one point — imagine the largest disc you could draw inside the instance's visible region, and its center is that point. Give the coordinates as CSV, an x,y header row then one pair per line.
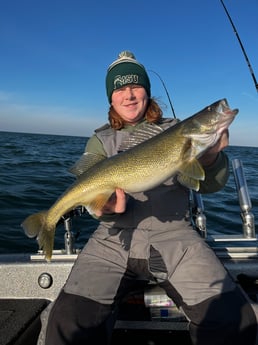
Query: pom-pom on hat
x,y
124,71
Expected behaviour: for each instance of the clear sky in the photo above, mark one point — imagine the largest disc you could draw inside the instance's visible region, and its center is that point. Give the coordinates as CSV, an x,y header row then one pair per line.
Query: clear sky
x,y
54,56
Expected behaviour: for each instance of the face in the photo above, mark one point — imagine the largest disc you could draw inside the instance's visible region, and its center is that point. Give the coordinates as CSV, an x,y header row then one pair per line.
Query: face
x,y
130,102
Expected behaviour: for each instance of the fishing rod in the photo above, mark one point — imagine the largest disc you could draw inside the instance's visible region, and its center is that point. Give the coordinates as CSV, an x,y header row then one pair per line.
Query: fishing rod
x,y
242,47
171,106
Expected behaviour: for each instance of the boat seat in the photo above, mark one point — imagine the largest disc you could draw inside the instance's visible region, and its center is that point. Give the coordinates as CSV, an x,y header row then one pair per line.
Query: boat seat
x,y
20,320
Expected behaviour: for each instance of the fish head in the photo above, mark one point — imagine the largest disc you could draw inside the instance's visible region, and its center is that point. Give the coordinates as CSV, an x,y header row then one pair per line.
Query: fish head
x,y
205,127
218,117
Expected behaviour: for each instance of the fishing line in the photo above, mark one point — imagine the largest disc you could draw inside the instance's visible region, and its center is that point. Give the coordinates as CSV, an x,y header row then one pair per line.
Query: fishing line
x,y
242,47
171,106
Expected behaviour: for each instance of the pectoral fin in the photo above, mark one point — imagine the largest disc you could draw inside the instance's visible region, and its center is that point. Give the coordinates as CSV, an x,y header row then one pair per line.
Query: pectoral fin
x,y
190,173
192,169
189,182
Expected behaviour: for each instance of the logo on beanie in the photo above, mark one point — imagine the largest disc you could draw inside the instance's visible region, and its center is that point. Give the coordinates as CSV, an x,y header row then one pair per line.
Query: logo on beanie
x,y
121,80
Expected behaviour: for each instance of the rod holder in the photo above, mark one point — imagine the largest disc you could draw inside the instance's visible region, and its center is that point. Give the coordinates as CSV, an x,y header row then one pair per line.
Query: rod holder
x,y
198,214
68,236
244,199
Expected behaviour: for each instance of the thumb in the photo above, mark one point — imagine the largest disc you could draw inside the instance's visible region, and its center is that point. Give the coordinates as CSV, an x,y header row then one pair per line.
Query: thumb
x,y
120,201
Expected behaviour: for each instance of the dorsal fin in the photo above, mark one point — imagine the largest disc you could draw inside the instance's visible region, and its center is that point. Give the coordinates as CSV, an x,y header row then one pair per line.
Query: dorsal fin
x,y
85,162
140,135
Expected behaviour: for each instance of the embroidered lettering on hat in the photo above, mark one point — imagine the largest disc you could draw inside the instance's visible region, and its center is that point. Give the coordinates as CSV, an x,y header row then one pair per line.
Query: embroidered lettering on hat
x,y
121,80
126,70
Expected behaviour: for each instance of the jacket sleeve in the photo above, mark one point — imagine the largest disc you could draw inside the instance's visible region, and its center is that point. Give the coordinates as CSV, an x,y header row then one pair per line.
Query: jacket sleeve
x,y
94,145
216,175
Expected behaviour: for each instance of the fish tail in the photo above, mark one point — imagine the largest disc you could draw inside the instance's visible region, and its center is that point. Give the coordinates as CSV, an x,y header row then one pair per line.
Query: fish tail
x,y
46,241
38,225
33,224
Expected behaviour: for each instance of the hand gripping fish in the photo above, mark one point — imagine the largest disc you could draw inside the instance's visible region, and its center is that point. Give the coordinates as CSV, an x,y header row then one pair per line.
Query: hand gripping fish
x,y
147,164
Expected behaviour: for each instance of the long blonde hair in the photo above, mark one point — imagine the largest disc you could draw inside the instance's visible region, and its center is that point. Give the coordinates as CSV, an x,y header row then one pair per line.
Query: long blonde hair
x,y
153,114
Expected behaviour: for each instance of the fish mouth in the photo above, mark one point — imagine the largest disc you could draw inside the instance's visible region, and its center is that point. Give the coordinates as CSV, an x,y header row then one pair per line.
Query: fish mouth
x,y
226,115
223,108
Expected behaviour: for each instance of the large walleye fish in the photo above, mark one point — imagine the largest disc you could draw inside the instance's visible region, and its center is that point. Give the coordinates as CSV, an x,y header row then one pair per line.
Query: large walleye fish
x,y
140,168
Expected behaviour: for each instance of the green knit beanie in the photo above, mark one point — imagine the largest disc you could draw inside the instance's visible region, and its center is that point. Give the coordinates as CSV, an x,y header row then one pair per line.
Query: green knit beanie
x,y
126,70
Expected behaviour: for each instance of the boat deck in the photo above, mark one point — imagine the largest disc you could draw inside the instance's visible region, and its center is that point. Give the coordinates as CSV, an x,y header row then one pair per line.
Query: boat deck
x,y
28,283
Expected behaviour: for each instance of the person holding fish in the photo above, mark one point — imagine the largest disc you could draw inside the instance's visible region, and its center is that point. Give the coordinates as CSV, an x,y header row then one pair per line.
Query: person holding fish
x,y
144,233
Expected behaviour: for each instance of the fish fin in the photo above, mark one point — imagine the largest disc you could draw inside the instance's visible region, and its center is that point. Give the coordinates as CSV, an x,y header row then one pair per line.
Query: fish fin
x,y
36,225
192,169
99,202
85,162
46,241
190,174
140,135
188,182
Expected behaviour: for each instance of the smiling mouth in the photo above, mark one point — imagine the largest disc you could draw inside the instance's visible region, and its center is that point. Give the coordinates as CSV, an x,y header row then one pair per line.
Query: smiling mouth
x,y
131,105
